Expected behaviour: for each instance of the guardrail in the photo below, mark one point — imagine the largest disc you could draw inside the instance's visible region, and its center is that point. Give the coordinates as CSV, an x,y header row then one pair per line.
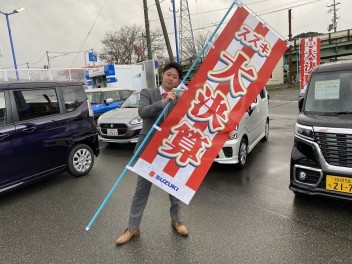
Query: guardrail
x,y
64,74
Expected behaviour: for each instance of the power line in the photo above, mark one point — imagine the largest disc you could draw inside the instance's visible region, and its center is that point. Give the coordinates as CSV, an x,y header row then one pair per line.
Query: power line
x,y
38,60
256,14
84,42
286,8
222,9
210,11
32,63
63,53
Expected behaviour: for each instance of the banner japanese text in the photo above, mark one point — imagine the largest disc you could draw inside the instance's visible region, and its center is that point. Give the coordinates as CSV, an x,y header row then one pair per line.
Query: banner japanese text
x,y
310,58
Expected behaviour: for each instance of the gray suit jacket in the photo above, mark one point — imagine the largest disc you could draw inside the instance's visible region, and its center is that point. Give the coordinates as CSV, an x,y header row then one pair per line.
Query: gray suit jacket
x,y
150,107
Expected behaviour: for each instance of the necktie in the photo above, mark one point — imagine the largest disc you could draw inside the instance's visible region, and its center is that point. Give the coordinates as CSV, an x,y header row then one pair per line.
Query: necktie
x,y
164,96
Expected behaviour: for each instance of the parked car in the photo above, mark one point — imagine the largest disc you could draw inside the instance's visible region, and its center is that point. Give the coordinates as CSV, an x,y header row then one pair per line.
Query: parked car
x,y
253,127
106,99
123,124
321,159
45,128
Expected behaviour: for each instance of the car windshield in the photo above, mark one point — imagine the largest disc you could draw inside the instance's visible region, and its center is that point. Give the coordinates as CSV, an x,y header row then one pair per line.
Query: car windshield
x,y
132,101
94,97
329,93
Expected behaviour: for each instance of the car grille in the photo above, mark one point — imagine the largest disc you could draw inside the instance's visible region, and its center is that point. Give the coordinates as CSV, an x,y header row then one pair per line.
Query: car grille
x,y
336,148
227,152
122,128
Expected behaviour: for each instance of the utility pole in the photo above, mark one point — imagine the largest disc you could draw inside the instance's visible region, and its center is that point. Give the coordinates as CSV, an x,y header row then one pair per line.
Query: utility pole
x,y
187,45
47,57
142,55
175,28
334,19
147,31
290,48
166,36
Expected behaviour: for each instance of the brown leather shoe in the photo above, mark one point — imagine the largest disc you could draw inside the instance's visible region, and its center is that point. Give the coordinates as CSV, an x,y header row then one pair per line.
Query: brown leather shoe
x,y
127,235
179,227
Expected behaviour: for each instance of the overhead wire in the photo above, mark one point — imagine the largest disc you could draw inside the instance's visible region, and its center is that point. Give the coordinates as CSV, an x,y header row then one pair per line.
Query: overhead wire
x,y
27,63
91,28
221,9
38,60
257,14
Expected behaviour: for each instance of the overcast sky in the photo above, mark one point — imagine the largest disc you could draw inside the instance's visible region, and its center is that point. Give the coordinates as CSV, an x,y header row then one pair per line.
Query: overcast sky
x,y
63,26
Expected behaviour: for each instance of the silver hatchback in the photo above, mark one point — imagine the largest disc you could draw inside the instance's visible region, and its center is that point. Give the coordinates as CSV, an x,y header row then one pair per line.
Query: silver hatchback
x,y
123,124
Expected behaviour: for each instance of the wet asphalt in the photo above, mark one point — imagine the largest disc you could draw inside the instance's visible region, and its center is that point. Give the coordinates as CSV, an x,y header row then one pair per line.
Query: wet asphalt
x,y
236,216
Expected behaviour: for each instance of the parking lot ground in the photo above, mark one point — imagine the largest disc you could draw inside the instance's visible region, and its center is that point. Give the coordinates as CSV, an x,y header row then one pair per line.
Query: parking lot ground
x,y
236,216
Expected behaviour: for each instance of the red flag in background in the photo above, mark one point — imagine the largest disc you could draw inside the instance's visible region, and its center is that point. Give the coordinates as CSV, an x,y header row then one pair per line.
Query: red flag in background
x,y
310,58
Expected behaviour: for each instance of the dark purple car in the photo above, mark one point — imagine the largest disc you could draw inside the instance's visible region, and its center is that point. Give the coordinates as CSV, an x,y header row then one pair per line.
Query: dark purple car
x,y
45,128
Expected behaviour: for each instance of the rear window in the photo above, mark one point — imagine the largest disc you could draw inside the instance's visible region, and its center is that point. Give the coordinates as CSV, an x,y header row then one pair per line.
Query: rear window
x,y
94,97
112,94
74,96
36,103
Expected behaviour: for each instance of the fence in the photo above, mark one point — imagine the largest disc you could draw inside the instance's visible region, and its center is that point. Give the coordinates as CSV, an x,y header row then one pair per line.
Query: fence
x,y
68,74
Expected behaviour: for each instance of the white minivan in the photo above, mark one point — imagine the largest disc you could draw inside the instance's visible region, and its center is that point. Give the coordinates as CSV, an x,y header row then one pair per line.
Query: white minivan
x,y
253,127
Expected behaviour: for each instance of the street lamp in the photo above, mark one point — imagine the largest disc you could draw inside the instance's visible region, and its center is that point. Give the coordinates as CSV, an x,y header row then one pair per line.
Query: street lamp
x,y
19,10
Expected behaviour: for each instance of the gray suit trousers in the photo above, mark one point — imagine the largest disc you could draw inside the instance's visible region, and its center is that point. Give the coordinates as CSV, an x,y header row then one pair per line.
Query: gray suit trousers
x,y
140,200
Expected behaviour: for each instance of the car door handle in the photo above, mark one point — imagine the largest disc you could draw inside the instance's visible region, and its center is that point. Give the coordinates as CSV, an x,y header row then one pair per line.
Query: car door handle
x,y
2,136
28,129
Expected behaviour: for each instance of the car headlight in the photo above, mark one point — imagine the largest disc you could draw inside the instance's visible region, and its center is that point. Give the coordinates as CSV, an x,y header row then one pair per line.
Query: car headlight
x,y
233,134
136,121
99,119
304,131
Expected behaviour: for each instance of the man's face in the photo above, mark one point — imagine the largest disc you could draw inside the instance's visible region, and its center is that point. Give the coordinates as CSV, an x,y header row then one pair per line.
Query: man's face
x,y
170,79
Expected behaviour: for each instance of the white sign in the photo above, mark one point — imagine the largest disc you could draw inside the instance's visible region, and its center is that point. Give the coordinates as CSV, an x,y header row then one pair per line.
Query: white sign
x,y
327,90
99,71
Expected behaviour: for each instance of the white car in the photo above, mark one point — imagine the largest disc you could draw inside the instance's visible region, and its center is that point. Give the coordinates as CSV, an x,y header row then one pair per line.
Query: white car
x,y
253,127
123,125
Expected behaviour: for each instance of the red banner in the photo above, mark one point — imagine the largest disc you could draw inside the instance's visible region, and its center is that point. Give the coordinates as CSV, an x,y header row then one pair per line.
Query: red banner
x,y
232,75
310,58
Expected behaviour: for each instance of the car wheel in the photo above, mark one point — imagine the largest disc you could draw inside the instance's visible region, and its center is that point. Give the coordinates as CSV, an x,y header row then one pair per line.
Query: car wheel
x,y
266,135
80,160
242,153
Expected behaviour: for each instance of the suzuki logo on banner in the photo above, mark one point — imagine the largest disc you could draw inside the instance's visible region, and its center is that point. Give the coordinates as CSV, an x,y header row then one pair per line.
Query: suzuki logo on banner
x,y
310,58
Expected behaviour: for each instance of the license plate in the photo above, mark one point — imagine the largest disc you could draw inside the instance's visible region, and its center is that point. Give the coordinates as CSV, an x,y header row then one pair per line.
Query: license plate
x,y
112,132
339,184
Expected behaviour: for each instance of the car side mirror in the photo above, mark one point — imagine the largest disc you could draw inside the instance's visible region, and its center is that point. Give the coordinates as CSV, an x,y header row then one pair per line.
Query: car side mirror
x,y
252,108
108,101
300,103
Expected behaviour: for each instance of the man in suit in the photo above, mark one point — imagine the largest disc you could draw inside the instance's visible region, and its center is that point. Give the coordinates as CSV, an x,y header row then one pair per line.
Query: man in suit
x,y
151,104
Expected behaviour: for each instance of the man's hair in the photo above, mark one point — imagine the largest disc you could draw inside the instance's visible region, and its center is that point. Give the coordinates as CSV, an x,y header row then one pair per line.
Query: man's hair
x,y
174,65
